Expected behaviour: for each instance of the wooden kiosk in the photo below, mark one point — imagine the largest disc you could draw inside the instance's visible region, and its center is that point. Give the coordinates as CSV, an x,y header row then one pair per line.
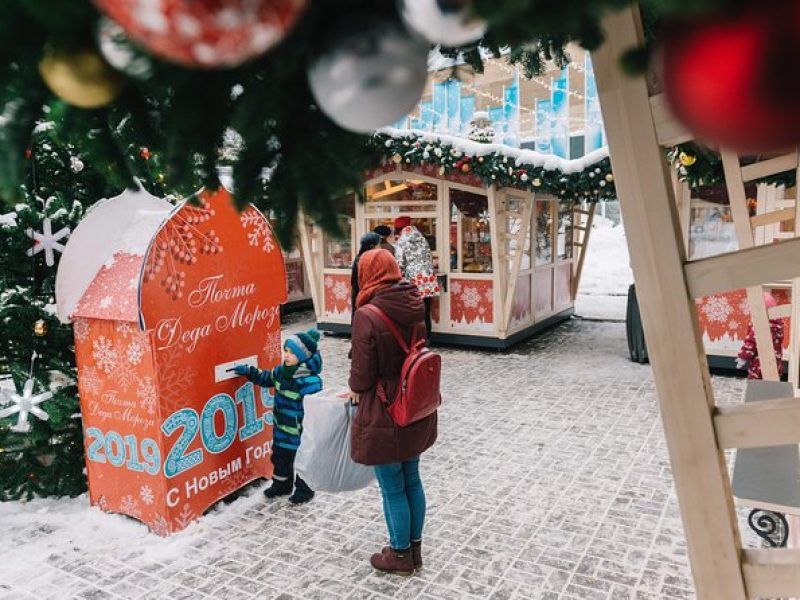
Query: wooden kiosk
x,y
508,257
697,431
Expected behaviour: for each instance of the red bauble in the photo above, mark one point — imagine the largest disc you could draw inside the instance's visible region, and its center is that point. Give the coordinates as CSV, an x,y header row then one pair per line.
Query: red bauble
x,y
205,33
144,152
733,80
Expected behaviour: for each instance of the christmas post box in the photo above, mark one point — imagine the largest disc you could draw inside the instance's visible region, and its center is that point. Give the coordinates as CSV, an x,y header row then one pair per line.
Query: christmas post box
x,y
165,301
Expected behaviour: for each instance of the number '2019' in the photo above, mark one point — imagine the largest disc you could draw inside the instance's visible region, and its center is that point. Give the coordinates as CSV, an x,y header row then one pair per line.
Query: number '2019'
x,y
178,460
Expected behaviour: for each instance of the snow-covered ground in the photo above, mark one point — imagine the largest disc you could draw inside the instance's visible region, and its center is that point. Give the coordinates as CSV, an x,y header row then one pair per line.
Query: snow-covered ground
x,y
603,292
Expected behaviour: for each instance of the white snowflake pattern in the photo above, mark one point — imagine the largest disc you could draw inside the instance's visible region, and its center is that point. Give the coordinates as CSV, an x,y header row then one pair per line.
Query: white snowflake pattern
x,y
273,345
471,297
104,354
489,295
717,308
455,288
130,506
340,290
744,306
160,526
124,328
102,503
185,517
81,329
260,232
733,325
124,375
328,282
89,379
146,494
106,301
135,352
146,393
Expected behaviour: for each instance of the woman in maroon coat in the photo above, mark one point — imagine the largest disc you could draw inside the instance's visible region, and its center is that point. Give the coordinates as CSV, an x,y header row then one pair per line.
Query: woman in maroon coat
x,y
376,439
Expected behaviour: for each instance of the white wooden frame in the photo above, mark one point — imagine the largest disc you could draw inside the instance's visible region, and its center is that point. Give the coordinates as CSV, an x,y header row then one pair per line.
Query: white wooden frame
x,y
696,431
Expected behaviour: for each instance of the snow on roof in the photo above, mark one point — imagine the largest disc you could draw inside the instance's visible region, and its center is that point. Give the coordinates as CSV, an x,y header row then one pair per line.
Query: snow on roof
x,y
104,254
521,156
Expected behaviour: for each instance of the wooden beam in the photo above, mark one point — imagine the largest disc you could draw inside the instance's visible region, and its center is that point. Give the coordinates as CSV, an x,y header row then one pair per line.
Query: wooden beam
x,y
742,269
760,424
782,311
583,245
773,573
669,316
746,239
669,131
511,285
776,216
772,166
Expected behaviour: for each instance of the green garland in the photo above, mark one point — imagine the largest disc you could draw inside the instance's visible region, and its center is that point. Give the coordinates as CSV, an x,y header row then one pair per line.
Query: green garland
x,y
183,115
699,167
595,182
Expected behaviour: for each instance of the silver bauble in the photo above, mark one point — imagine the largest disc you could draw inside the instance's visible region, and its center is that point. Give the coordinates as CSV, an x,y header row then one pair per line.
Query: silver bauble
x,y
445,22
371,77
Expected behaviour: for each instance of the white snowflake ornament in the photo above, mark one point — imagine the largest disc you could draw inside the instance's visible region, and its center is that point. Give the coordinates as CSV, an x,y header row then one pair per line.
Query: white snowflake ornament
x,y
24,405
47,241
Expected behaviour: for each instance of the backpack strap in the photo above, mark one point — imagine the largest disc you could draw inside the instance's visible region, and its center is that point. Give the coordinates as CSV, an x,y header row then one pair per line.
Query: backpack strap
x,y
392,327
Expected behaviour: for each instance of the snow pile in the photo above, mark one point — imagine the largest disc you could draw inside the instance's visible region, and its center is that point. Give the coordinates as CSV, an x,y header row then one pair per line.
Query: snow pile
x,y
603,292
62,526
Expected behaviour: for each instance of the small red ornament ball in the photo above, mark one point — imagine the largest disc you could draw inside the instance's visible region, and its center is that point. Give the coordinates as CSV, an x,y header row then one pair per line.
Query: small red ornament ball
x,y
733,79
466,168
145,153
28,153
205,33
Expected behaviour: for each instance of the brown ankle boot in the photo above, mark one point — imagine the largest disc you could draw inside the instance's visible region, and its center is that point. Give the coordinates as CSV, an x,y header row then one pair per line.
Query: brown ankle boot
x,y
391,561
416,554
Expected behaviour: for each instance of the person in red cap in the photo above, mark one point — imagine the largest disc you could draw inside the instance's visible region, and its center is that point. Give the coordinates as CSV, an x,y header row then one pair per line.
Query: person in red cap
x,y
413,254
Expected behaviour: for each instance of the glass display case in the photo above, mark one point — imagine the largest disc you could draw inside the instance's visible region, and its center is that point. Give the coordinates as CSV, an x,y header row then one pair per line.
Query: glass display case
x,y
544,232
470,233
711,230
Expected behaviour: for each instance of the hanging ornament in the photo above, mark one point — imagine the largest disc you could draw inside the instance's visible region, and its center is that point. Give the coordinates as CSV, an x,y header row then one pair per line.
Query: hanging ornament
x,y
40,328
536,182
23,405
144,152
732,78
687,160
446,22
484,217
211,33
47,241
81,78
369,76
28,153
75,164
120,53
609,178
466,168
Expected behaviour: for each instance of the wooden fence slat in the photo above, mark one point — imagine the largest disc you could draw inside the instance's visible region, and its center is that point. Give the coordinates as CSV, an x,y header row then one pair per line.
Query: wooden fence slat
x,y
760,424
773,573
742,269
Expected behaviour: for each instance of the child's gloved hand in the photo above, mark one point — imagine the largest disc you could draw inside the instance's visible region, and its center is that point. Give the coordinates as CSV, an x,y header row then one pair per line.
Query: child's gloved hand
x,y
245,371
741,363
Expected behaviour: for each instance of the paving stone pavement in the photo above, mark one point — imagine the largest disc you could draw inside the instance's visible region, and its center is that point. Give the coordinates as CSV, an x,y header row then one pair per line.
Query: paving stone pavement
x,y
550,481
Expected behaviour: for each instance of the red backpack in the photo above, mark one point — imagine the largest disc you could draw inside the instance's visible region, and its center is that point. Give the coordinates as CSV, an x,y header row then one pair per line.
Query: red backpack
x,y
418,395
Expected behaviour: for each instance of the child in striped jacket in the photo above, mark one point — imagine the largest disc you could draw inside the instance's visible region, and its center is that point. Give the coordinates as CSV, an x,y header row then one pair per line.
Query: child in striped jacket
x,y
296,377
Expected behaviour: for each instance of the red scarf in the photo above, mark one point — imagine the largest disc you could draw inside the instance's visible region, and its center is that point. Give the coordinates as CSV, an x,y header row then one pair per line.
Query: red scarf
x,y
377,269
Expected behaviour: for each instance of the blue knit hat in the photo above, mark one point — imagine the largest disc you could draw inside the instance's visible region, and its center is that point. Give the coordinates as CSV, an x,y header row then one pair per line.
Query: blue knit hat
x,y
304,344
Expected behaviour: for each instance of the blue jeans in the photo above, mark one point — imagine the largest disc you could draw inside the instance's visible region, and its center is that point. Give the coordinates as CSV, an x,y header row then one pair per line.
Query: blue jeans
x,y
403,501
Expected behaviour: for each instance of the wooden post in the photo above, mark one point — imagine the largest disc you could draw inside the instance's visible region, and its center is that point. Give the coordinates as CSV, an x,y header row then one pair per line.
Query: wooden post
x,y
669,317
519,241
576,278
311,265
746,239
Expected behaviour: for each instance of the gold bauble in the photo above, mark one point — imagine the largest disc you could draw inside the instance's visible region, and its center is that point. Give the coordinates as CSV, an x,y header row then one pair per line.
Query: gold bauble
x,y
687,160
40,328
536,182
81,77
609,178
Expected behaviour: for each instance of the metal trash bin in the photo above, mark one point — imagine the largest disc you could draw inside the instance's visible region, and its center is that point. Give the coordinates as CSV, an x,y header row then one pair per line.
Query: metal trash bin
x,y
637,347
